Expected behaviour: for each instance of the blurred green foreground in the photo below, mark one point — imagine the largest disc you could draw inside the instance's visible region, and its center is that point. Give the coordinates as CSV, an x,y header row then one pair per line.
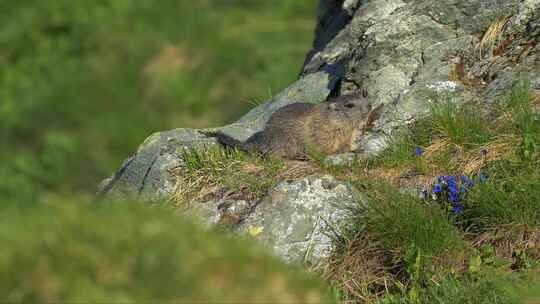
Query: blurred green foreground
x,y
82,83
126,252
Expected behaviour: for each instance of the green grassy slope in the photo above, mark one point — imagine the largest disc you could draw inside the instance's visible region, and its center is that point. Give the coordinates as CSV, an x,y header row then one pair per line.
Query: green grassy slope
x,y
82,83
473,235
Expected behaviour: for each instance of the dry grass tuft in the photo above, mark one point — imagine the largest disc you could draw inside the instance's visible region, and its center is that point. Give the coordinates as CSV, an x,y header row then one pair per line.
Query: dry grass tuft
x,y
493,33
217,174
294,170
473,161
359,270
401,177
508,239
436,147
536,100
186,189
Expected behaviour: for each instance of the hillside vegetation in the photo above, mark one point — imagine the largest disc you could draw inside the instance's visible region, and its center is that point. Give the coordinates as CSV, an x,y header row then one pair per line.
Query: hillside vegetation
x,y
84,82
471,236
473,233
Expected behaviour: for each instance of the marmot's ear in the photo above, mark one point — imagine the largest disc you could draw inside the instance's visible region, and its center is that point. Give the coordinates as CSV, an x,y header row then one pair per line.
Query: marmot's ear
x,y
364,93
374,114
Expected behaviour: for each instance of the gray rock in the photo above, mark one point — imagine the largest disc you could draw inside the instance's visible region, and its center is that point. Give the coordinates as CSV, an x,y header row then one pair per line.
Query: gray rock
x,y
403,52
344,159
146,174
212,212
313,88
298,219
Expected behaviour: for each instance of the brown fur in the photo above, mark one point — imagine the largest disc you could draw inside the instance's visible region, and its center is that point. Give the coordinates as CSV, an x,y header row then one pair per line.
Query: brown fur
x,y
327,128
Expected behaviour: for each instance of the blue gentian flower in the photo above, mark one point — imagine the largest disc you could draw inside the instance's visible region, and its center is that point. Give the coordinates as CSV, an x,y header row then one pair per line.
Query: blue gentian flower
x,y
452,184
466,181
441,179
454,198
458,208
437,188
419,151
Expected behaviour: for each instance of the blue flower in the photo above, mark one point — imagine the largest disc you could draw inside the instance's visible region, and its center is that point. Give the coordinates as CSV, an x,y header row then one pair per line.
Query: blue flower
x,y
441,179
466,181
437,188
483,178
458,208
454,198
452,184
419,151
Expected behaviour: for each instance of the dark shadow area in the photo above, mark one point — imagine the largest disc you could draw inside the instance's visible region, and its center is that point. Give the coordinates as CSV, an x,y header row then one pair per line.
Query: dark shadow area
x,y
329,25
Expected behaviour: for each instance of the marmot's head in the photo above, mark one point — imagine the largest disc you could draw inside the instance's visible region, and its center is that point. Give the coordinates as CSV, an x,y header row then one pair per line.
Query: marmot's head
x,y
357,107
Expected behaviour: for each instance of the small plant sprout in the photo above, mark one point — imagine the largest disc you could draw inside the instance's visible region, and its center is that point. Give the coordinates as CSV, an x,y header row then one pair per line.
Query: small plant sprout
x,y
420,164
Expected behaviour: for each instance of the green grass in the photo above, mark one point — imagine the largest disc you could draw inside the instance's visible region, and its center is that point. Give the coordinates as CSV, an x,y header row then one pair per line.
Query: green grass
x,y
400,220
524,122
492,287
462,125
511,196
453,135
401,151
209,171
82,84
405,249
512,200
397,245
65,250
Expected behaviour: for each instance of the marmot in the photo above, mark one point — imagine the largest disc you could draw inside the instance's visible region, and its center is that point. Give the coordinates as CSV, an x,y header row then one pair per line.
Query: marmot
x,y
328,127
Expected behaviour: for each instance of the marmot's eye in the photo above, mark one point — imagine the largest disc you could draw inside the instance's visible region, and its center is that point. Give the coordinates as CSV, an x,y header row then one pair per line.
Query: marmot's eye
x,y
349,105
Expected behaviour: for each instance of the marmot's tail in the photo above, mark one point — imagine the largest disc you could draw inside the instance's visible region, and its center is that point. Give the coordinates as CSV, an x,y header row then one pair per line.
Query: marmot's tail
x,y
228,141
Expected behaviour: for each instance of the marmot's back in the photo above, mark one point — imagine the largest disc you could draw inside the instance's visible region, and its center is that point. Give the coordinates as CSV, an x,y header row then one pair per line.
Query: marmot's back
x,y
283,134
328,128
